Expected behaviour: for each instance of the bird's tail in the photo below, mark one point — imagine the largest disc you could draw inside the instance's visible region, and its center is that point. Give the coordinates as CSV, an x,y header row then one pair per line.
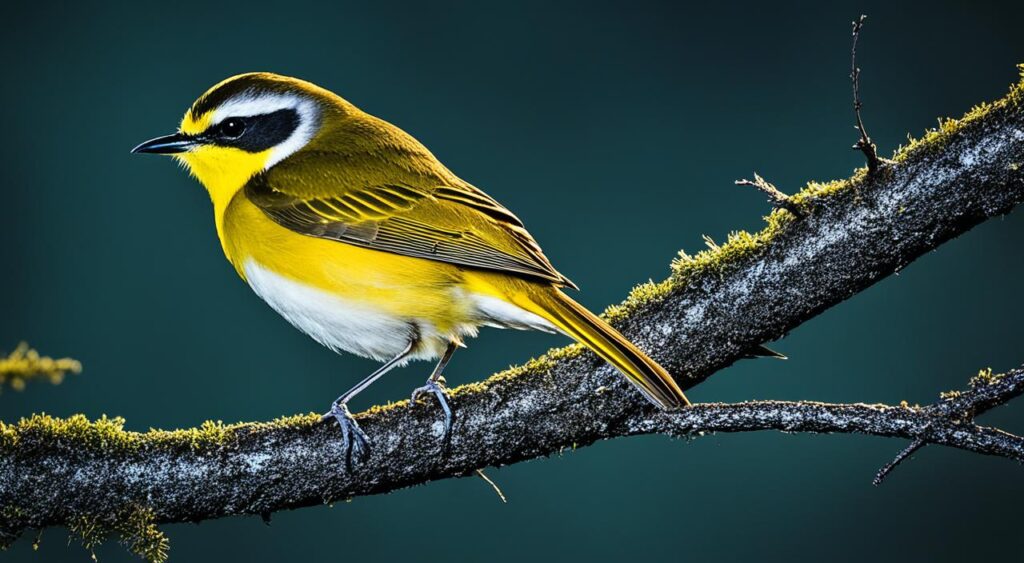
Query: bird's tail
x,y
587,329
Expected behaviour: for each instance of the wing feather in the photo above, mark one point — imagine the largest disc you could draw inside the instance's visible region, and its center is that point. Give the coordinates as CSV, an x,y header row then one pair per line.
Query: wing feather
x,y
455,224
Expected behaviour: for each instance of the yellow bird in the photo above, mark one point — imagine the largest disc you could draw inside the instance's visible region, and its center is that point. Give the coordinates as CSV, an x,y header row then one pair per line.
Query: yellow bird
x,y
358,236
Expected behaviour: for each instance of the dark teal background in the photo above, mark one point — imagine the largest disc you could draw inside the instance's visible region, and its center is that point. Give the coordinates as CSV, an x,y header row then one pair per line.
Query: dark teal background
x,y
615,131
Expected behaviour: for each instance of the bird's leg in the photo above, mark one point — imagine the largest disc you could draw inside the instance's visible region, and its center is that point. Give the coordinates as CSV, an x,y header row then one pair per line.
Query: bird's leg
x,y
435,386
355,442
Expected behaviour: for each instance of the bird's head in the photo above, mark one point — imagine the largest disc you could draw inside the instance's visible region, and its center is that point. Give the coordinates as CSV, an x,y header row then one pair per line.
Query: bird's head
x,y
245,125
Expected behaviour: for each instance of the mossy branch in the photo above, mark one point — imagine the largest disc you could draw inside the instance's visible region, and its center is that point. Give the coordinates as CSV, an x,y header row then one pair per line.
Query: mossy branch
x,y
24,364
714,309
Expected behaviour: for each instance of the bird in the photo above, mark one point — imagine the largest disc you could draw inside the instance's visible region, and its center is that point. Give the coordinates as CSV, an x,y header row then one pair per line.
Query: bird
x,y
357,235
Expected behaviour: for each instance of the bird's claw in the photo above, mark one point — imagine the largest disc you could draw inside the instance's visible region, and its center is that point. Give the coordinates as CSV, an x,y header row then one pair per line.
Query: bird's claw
x,y
355,442
438,390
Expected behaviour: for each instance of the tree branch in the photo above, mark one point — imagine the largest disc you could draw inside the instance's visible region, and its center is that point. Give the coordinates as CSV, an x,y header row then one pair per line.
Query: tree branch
x,y
864,143
949,422
24,364
714,309
987,391
904,454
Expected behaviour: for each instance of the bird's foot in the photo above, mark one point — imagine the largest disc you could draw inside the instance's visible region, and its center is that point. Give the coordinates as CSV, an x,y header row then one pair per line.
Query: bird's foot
x,y
355,442
438,390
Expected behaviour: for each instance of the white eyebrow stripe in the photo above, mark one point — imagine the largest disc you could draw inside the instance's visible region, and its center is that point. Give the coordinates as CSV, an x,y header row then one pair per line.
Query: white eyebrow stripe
x,y
248,105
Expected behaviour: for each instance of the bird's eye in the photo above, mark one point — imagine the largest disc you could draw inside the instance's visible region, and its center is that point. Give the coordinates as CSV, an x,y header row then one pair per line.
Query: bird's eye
x,y
232,128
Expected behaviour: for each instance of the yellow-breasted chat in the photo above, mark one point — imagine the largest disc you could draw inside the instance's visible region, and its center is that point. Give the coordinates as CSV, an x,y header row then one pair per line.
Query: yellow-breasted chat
x,y
358,236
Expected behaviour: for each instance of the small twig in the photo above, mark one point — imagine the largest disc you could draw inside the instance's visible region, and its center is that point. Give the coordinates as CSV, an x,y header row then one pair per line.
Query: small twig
x,y
986,392
863,144
497,489
904,454
775,196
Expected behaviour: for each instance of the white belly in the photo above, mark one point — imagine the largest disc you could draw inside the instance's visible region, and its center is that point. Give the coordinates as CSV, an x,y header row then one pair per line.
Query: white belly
x,y
347,325
337,323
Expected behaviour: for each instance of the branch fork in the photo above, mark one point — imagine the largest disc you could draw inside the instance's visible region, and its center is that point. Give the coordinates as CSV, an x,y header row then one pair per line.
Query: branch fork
x,y
957,410
777,198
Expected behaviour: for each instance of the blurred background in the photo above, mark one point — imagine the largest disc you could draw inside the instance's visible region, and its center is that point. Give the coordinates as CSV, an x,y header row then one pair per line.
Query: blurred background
x,y
575,116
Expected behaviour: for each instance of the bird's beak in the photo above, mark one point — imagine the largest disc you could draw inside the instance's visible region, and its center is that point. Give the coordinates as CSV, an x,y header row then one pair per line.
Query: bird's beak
x,y
168,144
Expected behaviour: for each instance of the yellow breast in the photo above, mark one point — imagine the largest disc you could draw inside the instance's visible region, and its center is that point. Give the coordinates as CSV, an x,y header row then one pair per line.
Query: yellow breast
x,y
397,284
350,298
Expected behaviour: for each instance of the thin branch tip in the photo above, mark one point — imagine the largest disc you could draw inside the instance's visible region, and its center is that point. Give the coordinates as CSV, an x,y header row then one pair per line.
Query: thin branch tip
x,y
904,454
776,197
497,490
864,143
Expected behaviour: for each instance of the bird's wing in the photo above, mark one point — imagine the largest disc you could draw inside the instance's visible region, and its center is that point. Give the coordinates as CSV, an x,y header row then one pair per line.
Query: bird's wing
x,y
454,224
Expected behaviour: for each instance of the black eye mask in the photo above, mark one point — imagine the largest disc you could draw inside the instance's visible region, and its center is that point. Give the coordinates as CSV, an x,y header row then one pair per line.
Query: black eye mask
x,y
255,133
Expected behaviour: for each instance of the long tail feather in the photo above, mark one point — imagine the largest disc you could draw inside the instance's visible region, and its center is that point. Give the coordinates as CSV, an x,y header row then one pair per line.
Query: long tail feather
x,y
586,328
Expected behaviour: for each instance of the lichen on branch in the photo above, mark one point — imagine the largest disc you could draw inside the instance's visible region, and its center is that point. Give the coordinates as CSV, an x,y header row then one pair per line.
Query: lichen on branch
x,y
25,364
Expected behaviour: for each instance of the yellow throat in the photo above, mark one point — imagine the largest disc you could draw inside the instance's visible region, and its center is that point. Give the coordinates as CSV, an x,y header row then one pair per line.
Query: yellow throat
x,y
223,171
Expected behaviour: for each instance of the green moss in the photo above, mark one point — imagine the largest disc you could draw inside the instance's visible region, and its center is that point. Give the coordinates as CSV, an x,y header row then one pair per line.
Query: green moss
x,y
716,261
210,434
24,364
818,190
108,434
647,292
936,139
104,433
295,421
534,366
984,377
135,527
138,532
89,532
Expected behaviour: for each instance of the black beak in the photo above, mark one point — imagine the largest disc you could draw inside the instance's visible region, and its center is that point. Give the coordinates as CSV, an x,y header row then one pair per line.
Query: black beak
x,y
168,144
